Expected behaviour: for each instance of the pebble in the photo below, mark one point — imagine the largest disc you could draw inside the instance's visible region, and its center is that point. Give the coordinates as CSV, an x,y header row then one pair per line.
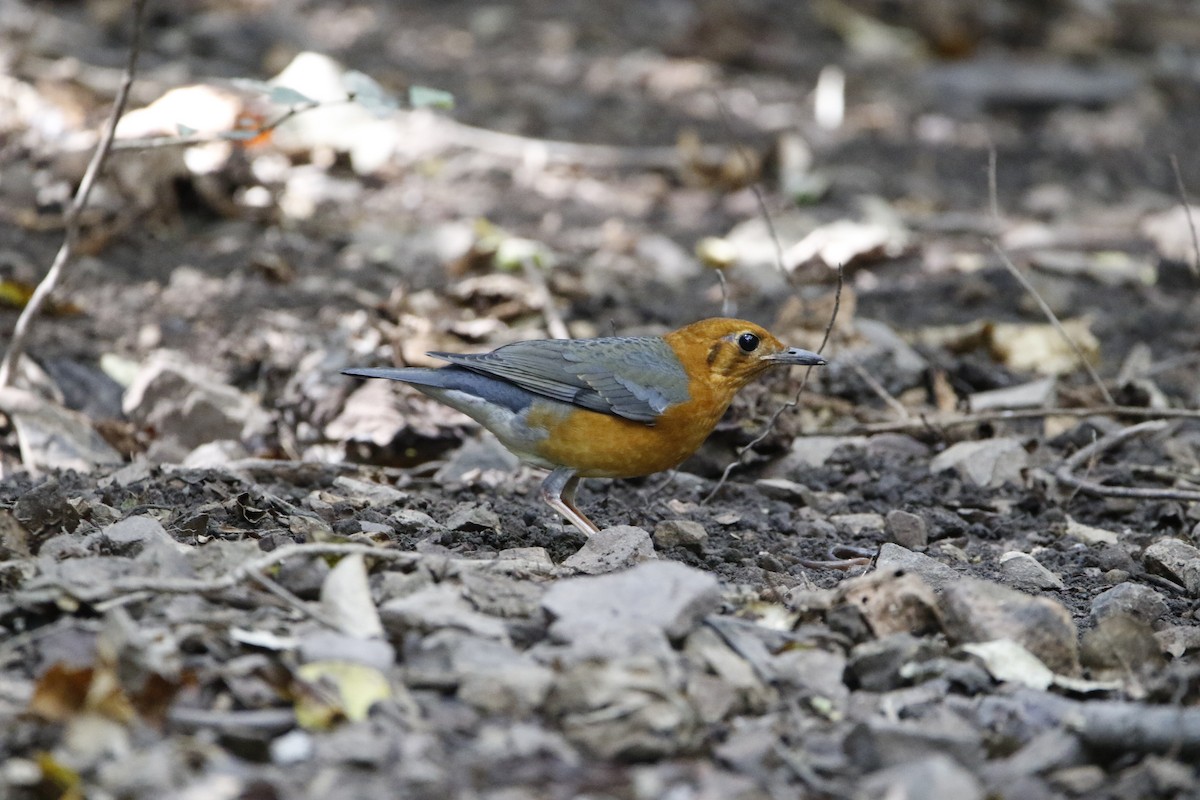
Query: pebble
x,y
906,529
980,611
1026,572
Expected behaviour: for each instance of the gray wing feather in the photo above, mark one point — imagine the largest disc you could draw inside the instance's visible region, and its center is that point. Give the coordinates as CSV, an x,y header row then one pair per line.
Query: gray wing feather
x,y
635,378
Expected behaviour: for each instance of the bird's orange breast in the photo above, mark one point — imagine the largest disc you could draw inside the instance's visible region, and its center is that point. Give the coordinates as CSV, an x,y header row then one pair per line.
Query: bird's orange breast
x,y
605,446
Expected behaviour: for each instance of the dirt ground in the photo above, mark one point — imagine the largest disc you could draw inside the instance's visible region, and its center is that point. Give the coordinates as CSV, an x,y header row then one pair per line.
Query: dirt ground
x,y
844,619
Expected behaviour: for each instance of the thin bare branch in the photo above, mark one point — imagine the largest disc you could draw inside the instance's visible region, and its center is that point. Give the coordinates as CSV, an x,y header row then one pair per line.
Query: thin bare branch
x,y
1187,211
795,401
1066,472
881,392
66,252
1058,326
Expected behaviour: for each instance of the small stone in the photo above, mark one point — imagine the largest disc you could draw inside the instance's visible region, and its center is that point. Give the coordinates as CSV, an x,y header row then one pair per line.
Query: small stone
x,y
1081,781
876,664
1118,644
680,533
325,645
783,489
436,607
1090,535
935,573
473,517
1177,560
612,549
377,494
1130,599
411,522
1026,572
989,462
1179,640
475,457
1116,576
629,709
529,559
880,742
132,534
980,611
906,529
813,451
936,777
857,523
605,612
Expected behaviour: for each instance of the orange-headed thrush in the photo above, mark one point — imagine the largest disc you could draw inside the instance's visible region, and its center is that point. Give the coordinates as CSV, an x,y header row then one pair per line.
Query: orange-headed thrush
x,y
614,407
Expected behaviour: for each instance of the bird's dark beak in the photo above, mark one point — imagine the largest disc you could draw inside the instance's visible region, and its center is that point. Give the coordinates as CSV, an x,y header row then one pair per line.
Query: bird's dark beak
x,y
796,356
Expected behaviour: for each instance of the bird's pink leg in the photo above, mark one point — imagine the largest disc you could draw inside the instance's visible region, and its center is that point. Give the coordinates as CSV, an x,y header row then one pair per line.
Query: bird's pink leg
x,y
558,492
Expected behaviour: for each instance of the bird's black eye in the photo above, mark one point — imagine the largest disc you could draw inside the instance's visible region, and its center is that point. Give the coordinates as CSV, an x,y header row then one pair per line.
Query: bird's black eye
x,y
748,342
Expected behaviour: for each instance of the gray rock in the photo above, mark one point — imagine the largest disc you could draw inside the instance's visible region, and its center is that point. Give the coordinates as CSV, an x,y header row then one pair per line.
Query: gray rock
x,y
1025,572
190,405
501,596
705,648
935,573
475,457
680,533
1177,560
630,709
1035,394
878,742
52,437
611,613
473,517
1118,644
1049,750
132,534
535,560
936,777
414,523
906,529
857,523
377,494
1129,599
988,462
489,675
876,665
980,611
783,489
612,549
435,607
813,673
812,451
326,645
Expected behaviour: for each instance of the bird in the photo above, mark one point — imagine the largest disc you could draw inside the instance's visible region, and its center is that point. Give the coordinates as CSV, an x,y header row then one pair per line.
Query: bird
x,y
608,407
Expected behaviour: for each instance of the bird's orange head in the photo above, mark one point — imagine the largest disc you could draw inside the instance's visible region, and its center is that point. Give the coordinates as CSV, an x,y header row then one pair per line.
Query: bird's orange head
x,y
726,354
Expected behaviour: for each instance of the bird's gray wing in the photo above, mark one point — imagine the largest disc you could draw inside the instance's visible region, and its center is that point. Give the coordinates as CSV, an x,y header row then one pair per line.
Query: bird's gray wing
x,y
632,377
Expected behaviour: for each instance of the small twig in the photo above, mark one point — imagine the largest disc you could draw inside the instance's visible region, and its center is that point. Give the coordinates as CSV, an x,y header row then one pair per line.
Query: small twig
x,y
1065,472
292,601
1058,326
1187,211
726,302
795,401
66,252
993,186
542,297
880,392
